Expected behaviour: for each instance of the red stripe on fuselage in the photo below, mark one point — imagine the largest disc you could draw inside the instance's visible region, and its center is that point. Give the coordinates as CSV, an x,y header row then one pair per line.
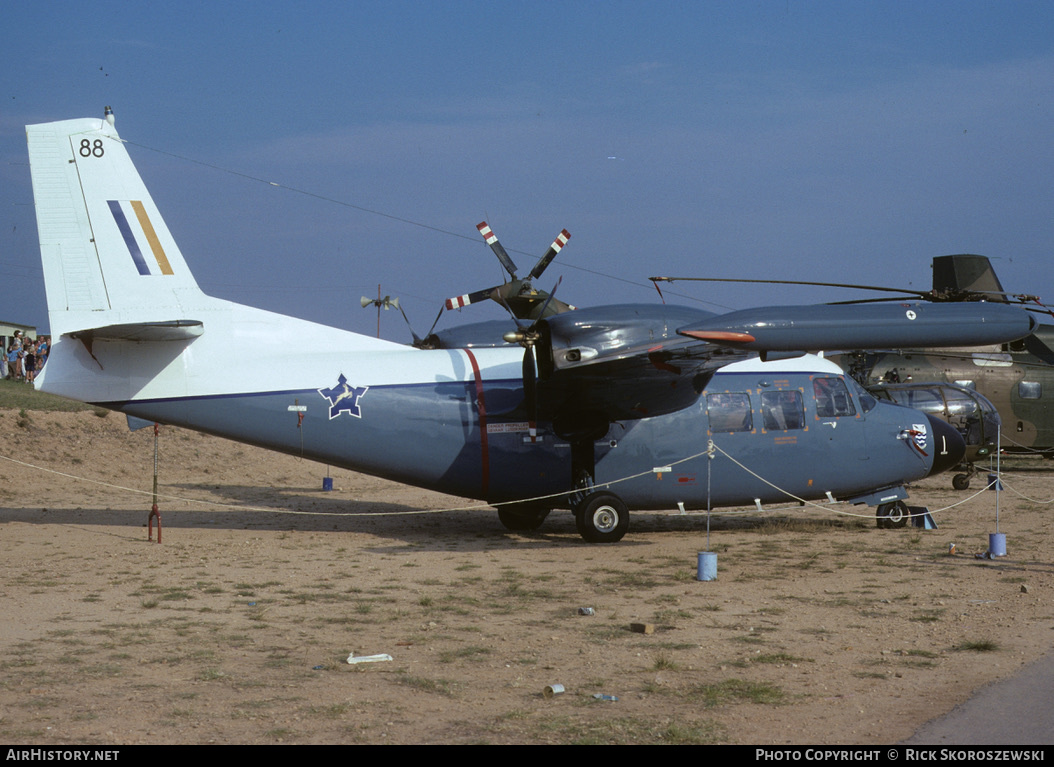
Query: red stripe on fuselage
x,y
481,406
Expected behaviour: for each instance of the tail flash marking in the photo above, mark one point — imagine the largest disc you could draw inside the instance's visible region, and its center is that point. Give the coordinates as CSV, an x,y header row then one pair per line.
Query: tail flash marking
x,y
151,237
131,241
129,238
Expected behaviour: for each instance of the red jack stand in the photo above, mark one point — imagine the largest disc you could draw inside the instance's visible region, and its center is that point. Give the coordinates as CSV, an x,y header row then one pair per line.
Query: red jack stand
x,y
153,509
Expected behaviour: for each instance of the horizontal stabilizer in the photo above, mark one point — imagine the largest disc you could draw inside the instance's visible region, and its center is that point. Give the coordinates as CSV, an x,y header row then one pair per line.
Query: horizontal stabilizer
x,y
176,330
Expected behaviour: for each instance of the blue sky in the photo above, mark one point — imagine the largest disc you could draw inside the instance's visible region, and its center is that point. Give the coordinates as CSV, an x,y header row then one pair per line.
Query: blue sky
x,y
831,141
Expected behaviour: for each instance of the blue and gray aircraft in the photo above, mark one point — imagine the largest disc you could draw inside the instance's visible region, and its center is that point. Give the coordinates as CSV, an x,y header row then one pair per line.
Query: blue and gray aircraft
x,y
597,410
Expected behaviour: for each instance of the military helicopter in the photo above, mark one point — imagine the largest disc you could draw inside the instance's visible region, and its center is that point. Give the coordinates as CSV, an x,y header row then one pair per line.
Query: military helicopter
x,y
969,411
1016,377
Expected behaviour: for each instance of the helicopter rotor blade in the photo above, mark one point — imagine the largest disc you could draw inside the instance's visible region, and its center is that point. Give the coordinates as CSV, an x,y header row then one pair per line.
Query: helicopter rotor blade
x,y
906,292
556,247
458,302
935,296
517,295
499,251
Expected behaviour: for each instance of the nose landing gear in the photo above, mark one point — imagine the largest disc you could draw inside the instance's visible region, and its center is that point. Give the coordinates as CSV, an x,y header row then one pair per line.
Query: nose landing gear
x,y
601,517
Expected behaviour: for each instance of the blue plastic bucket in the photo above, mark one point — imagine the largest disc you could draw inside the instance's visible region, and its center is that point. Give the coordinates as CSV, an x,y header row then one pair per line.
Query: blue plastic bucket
x,y
706,568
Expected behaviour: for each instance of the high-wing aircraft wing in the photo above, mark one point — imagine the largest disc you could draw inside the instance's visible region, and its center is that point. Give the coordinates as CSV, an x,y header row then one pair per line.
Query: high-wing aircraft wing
x,y
830,327
637,361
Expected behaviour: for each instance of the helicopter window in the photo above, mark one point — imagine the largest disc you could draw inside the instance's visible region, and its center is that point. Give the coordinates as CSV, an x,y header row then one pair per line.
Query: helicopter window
x,y
832,398
782,410
992,359
729,411
959,403
966,384
926,400
1029,390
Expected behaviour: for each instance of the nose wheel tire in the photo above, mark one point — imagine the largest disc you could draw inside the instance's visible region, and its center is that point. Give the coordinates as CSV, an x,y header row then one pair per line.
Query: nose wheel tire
x,y
893,515
602,518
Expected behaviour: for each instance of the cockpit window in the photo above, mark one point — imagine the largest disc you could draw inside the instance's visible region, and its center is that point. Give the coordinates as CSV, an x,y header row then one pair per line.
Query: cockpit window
x,y
729,411
782,410
832,398
867,399
959,403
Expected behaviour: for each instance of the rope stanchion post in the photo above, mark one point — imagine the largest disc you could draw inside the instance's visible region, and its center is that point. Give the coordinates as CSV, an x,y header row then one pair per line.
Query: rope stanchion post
x,y
154,512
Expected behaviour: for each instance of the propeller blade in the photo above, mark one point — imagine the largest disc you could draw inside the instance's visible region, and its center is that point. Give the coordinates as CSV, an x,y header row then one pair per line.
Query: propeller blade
x,y
530,390
429,341
499,251
556,247
418,341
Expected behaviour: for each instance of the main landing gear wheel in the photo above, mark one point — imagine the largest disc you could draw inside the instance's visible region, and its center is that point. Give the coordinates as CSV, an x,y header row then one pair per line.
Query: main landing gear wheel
x,y
893,515
602,518
522,520
961,481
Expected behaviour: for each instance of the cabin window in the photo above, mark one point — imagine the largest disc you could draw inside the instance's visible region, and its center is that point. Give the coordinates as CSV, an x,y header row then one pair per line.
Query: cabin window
x,y
1029,390
832,398
782,410
992,359
729,411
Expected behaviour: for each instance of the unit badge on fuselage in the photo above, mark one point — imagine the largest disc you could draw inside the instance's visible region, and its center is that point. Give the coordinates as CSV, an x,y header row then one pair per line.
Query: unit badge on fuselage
x,y
343,398
919,436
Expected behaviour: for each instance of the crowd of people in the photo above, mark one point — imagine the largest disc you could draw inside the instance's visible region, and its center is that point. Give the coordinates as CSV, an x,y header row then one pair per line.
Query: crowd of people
x,y
24,357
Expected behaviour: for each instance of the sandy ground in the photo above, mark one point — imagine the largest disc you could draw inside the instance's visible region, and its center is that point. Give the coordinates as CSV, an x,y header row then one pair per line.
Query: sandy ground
x,y
820,628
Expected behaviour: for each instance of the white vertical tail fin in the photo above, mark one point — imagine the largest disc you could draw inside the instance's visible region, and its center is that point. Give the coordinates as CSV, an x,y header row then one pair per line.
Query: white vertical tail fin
x,y
110,263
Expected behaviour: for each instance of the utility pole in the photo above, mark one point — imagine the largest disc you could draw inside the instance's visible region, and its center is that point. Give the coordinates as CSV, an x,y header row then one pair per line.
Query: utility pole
x,y
387,302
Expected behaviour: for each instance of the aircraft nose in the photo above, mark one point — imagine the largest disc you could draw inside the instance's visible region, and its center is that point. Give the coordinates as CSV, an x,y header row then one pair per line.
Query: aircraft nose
x,y
949,447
